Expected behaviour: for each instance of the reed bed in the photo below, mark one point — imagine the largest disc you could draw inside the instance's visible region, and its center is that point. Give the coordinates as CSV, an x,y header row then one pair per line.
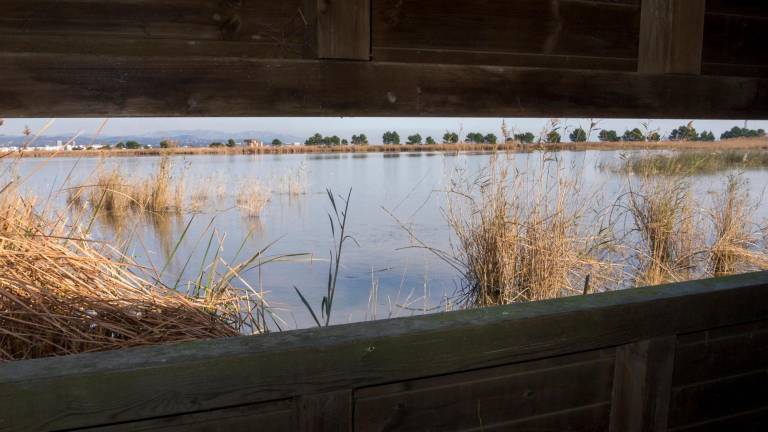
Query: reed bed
x,y
62,293
252,198
691,162
521,238
741,144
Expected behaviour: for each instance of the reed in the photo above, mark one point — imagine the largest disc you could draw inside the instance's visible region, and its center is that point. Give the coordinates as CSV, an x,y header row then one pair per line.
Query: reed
x,y
521,238
62,294
252,198
691,162
667,230
735,245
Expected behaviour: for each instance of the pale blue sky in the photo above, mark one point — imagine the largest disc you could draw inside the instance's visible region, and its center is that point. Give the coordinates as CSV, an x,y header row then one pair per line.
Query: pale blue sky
x,y
344,127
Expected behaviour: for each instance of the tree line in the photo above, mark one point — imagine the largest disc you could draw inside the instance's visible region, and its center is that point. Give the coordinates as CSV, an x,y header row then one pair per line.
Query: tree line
x,y
551,135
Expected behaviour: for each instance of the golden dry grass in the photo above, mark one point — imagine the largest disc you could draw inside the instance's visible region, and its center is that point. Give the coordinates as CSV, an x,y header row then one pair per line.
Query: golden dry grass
x,y
65,294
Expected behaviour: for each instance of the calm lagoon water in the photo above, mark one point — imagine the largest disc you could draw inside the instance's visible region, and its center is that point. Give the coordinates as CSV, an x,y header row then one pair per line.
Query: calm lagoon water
x,y
408,185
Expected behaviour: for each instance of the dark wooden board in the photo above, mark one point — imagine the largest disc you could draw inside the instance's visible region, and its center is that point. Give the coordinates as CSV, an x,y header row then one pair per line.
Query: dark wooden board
x,y
483,399
719,398
735,39
563,27
251,20
71,86
671,36
344,29
275,416
714,356
79,390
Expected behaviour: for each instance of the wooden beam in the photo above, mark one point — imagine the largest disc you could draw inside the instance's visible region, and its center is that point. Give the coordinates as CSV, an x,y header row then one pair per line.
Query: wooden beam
x,y
671,36
80,390
642,385
344,29
71,86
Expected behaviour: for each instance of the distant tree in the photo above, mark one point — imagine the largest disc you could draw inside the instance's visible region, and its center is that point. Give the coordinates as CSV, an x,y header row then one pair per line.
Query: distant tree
x,y
231,143
359,139
633,135
168,143
553,137
475,138
430,141
450,138
315,139
608,136
525,138
277,142
331,141
654,136
414,139
737,132
684,133
391,138
490,139
706,136
120,145
344,142
106,147
147,147
578,135
132,145
216,144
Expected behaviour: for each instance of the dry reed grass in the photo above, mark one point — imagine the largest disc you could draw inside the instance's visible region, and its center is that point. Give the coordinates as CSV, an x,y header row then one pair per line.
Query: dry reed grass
x,y
61,294
521,238
252,198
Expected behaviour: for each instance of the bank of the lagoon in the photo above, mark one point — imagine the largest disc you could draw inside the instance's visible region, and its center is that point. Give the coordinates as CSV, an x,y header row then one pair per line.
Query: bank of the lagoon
x,y
729,144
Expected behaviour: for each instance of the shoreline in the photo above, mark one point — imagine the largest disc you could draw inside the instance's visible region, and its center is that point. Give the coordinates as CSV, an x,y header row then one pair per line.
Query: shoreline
x,y
735,144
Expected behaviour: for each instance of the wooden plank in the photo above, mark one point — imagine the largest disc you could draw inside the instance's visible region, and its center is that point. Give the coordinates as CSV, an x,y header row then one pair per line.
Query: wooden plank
x,y
714,356
671,36
79,390
491,58
735,39
344,29
494,396
247,21
327,412
718,399
564,27
642,385
749,421
275,416
71,86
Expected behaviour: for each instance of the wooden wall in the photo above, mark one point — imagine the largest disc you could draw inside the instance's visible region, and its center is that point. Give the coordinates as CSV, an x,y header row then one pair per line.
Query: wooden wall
x,y
698,58
691,356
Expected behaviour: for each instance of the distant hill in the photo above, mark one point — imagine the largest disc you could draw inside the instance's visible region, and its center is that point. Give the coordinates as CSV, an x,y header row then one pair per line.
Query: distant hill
x,y
192,138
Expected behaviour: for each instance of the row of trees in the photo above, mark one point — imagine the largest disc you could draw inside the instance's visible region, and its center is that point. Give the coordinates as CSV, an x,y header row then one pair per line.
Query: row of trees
x,y
682,133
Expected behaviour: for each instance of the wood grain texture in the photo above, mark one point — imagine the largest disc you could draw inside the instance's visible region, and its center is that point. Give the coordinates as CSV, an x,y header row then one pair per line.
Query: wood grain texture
x,y
72,86
562,27
344,29
275,416
326,412
162,381
671,36
642,385
491,397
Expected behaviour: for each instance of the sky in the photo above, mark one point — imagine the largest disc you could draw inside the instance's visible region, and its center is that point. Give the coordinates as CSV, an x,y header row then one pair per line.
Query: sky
x,y
343,127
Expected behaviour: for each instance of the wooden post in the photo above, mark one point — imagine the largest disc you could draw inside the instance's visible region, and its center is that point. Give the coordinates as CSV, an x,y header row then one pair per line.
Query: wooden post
x,y
642,385
344,29
671,36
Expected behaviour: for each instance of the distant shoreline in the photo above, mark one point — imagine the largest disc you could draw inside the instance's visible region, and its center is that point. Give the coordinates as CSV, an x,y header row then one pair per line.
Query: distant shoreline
x,y
734,144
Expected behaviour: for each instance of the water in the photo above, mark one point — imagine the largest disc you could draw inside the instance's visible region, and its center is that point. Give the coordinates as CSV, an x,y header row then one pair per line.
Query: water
x,y
408,185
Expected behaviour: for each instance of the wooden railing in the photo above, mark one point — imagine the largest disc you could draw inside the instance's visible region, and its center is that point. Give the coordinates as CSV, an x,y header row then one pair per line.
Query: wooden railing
x,y
690,356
